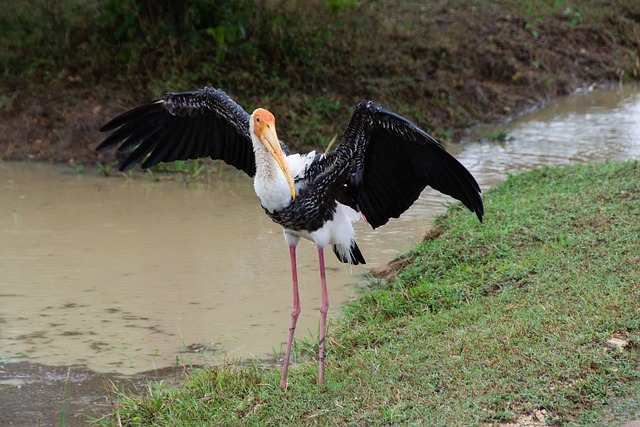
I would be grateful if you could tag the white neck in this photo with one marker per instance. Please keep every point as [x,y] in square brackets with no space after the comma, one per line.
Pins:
[269,182]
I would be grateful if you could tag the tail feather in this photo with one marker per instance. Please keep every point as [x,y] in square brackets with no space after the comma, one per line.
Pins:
[350,255]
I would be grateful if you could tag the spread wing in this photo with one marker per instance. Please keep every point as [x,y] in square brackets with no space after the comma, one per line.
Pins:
[186,125]
[393,161]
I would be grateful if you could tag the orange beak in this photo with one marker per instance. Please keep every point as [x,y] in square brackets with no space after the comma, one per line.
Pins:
[269,139]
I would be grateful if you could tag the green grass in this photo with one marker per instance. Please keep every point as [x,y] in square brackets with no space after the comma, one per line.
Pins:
[485,323]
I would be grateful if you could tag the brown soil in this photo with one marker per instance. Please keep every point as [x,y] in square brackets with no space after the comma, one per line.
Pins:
[38,395]
[50,127]
[458,69]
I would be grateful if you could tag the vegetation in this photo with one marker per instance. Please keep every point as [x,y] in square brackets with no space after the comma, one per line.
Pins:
[483,325]
[446,65]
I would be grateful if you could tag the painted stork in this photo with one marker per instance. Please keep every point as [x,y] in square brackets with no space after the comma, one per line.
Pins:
[378,170]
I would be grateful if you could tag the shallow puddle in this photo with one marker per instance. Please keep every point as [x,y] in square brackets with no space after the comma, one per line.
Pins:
[132,275]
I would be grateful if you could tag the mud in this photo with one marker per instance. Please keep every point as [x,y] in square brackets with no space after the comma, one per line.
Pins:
[38,395]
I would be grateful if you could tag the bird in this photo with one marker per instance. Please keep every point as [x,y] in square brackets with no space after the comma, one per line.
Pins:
[377,171]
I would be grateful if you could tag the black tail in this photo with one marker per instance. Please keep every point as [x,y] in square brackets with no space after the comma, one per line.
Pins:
[355,256]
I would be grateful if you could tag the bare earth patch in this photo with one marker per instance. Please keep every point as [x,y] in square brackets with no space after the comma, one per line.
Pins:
[536,419]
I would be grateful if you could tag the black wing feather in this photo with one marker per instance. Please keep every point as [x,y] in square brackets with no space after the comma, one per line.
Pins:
[162,142]
[394,160]
[124,134]
[185,125]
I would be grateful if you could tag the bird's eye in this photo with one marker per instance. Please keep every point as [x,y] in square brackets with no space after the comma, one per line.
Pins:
[258,119]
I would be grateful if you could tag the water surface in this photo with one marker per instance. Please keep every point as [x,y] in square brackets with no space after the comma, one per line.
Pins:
[130,275]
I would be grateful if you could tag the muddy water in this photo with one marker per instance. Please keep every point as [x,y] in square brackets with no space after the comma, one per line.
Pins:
[132,275]
[129,275]
[588,126]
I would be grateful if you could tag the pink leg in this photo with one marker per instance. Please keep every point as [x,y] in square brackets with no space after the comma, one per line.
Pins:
[324,309]
[295,311]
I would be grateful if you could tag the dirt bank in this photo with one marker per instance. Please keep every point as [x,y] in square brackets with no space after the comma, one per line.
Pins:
[447,66]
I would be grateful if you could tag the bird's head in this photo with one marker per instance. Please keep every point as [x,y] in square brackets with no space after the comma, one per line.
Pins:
[264,128]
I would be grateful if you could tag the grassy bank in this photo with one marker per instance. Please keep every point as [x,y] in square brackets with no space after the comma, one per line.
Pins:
[485,324]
